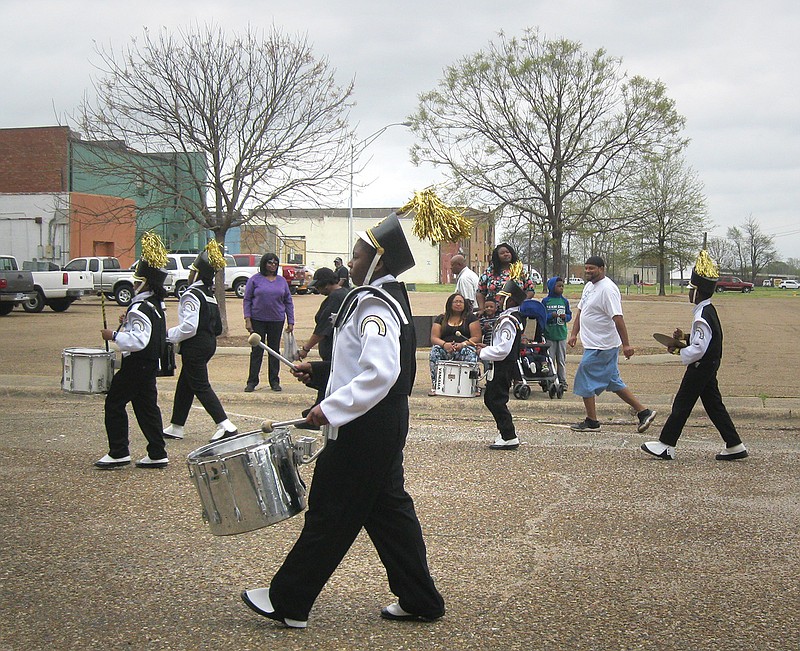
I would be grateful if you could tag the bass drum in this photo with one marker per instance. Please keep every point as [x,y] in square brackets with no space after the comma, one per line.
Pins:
[248,481]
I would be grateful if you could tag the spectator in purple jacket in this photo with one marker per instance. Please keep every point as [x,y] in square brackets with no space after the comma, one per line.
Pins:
[267,306]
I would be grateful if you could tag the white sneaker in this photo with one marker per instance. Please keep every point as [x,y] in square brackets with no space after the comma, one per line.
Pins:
[173,431]
[110,462]
[733,453]
[501,444]
[147,462]
[659,449]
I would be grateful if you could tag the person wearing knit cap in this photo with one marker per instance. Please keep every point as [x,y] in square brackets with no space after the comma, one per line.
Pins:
[141,337]
[599,321]
[199,325]
[702,356]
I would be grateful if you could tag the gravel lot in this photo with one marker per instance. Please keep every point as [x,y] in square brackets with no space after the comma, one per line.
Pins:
[575,541]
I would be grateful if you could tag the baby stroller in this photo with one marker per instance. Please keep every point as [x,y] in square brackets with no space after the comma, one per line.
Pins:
[535,363]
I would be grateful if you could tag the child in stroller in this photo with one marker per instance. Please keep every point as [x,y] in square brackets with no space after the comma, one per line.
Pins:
[535,363]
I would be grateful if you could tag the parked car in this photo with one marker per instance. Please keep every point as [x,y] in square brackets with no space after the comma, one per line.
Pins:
[574,280]
[16,285]
[55,288]
[110,278]
[790,284]
[733,284]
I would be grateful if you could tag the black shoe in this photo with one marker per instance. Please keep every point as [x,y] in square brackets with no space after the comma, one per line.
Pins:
[646,416]
[250,388]
[733,453]
[586,425]
[276,387]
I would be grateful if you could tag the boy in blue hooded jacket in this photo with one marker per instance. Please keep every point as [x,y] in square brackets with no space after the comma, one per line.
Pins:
[555,333]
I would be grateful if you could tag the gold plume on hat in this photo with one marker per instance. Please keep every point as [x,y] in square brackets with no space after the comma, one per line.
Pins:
[434,220]
[215,256]
[154,253]
[515,270]
[705,266]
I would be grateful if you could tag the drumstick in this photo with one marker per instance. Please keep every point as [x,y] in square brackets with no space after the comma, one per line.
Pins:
[268,426]
[255,340]
[103,309]
[466,341]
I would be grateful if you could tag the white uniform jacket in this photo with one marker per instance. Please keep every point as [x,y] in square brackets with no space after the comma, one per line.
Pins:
[503,337]
[134,334]
[366,358]
[700,337]
[188,315]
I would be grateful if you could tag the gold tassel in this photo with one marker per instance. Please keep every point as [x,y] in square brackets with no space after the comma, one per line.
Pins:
[153,251]
[215,256]
[435,221]
[705,266]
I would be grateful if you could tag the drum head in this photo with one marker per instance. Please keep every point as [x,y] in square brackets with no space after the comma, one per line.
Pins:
[85,351]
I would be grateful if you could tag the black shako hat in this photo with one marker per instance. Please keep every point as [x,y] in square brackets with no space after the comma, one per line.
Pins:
[209,261]
[324,276]
[705,273]
[513,290]
[388,239]
[153,275]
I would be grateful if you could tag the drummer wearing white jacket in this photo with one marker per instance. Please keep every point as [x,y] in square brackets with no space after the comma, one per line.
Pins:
[358,479]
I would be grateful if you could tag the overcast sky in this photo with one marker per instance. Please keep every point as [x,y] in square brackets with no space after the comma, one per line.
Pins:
[731,66]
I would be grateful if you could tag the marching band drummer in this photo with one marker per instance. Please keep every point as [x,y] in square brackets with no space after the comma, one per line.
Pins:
[197,331]
[358,479]
[141,337]
[504,353]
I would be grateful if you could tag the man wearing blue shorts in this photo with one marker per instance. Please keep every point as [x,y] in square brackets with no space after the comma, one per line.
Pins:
[598,320]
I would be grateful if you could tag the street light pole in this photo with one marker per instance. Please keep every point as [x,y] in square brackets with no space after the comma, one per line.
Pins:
[362,145]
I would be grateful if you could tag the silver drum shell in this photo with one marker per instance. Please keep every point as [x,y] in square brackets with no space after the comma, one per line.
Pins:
[248,481]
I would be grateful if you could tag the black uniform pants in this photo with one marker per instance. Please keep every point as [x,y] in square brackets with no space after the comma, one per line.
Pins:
[270,332]
[495,397]
[358,482]
[135,382]
[699,382]
[193,381]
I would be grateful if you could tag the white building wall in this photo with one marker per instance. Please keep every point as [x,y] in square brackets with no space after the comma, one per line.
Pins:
[327,237]
[35,227]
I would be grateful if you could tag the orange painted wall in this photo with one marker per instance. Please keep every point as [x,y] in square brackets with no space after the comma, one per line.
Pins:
[102,225]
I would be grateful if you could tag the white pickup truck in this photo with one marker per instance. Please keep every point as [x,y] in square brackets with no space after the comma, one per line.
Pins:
[56,288]
[107,277]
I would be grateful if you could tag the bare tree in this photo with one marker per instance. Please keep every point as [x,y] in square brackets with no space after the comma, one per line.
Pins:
[754,249]
[238,122]
[722,251]
[540,125]
[669,199]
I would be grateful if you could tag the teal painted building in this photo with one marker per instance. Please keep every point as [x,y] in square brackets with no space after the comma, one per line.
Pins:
[166,187]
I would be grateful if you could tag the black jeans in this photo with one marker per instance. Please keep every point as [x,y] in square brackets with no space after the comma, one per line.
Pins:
[135,382]
[270,332]
[699,382]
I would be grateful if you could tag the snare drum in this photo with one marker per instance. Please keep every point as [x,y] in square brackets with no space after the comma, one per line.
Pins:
[87,370]
[247,482]
[459,379]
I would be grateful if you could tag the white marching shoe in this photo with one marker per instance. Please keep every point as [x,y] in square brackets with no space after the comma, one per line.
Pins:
[222,433]
[173,431]
[110,462]
[259,602]
[147,462]
[659,449]
[733,453]
[502,444]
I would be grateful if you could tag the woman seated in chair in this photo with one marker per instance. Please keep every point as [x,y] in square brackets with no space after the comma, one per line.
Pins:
[454,335]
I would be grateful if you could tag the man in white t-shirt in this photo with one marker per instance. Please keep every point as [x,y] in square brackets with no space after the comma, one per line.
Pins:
[598,319]
[466,279]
